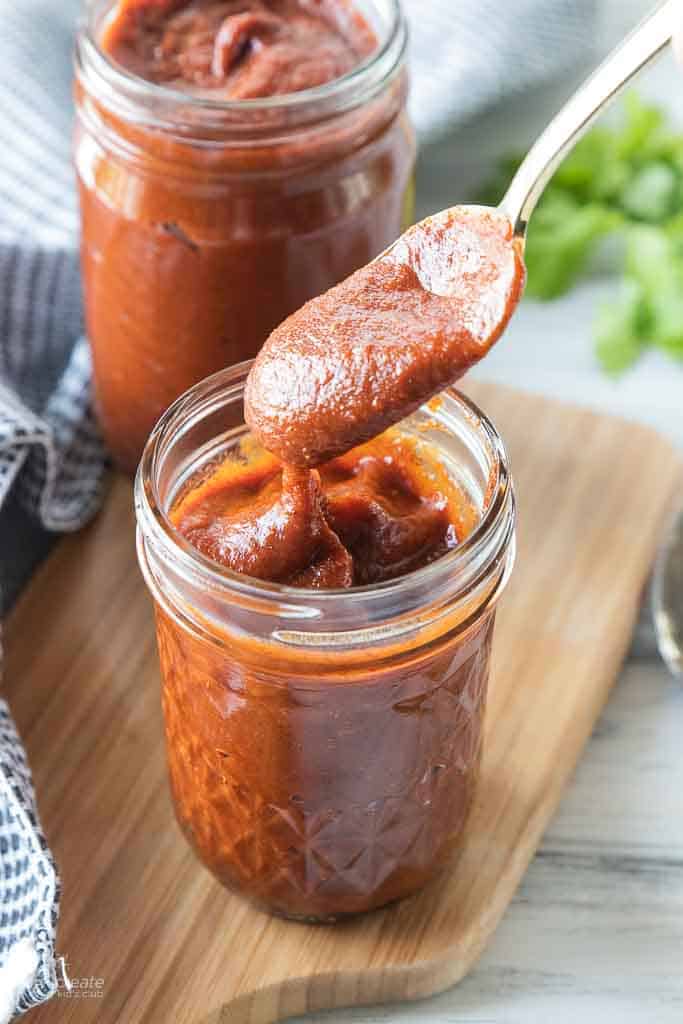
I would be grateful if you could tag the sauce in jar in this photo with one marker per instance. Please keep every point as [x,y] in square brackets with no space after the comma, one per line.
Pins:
[320,792]
[324,730]
[214,203]
[238,49]
[317,801]
[372,515]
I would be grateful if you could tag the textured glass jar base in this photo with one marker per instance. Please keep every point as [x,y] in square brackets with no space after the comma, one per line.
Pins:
[319,799]
[438,872]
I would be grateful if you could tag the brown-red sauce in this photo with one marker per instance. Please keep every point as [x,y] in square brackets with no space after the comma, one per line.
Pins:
[238,49]
[371,350]
[371,515]
[316,783]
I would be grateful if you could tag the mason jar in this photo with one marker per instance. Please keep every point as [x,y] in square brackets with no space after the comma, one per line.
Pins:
[205,223]
[323,745]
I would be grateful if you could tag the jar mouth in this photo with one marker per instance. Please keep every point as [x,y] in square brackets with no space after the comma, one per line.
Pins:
[131,94]
[486,543]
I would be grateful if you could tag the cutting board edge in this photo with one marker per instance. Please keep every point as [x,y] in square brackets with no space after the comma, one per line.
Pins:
[476,384]
[346,989]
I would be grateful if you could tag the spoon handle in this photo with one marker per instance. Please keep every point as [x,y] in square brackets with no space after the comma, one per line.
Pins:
[643,44]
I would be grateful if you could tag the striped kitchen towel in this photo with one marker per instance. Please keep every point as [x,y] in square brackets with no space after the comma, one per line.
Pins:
[50,451]
[465,55]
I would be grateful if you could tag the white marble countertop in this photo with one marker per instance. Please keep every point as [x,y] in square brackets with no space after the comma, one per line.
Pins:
[595,932]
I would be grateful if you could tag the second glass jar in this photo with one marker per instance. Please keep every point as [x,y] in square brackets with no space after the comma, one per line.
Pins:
[205,224]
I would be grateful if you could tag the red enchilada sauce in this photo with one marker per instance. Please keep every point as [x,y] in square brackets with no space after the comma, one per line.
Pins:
[323,785]
[371,515]
[370,351]
[319,783]
[212,204]
[238,49]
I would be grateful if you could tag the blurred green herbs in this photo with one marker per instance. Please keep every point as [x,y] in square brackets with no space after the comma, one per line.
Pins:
[625,182]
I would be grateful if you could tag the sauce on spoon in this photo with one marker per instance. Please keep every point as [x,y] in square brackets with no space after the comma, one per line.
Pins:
[370,351]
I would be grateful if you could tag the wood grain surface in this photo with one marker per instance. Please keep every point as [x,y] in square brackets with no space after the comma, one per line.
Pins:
[141,914]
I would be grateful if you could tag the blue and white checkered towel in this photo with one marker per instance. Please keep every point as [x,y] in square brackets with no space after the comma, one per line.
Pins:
[465,55]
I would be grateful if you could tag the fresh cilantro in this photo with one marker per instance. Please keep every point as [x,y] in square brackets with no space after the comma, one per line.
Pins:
[618,329]
[624,181]
[562,240]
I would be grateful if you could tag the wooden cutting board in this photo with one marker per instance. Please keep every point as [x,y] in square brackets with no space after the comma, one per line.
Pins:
[167,942]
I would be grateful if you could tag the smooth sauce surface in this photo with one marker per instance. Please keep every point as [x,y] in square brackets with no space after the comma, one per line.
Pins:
[377,513]
[373,349]
[238,49]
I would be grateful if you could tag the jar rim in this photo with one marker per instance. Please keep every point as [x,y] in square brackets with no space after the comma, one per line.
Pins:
[129,92]
[486,543]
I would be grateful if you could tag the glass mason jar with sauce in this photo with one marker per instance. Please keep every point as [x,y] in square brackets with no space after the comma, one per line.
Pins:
[205,223]
[323,746]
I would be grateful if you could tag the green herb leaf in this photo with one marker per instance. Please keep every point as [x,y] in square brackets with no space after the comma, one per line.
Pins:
[652,194]
[561,238]
[619,328]
[641,130]
[654,258]
[625,181]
